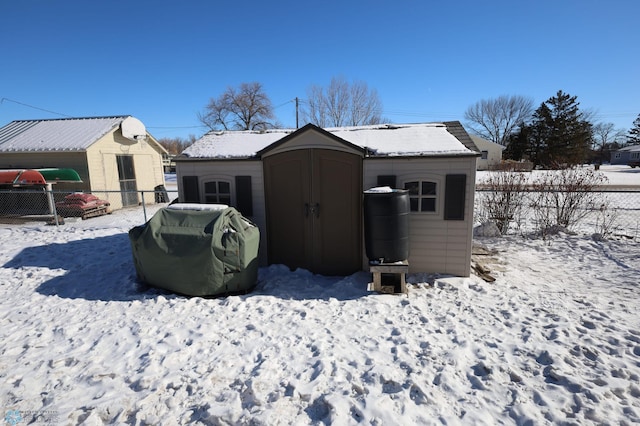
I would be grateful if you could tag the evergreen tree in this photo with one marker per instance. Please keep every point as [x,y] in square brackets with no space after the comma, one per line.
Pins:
[539,135]
[569,135]
[634,133]
[558,135]
[518,144]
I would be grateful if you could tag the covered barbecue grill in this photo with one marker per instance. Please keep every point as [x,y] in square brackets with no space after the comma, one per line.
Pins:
[197,250]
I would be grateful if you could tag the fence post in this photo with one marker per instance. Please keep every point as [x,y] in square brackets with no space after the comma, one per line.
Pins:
[144,207]
[52,204]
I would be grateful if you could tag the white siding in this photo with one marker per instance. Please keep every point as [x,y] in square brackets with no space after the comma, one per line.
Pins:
[103,167]
[435,245]
[494,153]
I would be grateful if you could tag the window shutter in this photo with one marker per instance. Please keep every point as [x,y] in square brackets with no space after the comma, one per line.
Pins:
[190,189]
[387,180]
[244,199]
[454,198]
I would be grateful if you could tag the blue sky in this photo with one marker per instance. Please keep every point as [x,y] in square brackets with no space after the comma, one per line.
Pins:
[161,61]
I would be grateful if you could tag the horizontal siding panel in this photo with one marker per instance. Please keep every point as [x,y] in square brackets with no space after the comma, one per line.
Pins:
[419,233]
[457,225]
[458,270]
[426,233]
[427,255]
[433,245]
[428,265]
[425,223]
[457,240]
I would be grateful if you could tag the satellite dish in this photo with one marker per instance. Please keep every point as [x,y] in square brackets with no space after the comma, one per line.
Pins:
[133,129]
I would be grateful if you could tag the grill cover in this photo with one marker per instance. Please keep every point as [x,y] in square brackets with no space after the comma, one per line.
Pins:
[197,250]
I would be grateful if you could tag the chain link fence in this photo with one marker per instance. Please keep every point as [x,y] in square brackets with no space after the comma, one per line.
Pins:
[119,208]
[609,212]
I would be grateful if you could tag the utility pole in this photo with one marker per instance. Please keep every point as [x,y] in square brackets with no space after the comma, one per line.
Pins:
[297,113]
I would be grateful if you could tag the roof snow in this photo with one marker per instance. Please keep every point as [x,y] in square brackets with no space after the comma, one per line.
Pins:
[379,140]
[234,144]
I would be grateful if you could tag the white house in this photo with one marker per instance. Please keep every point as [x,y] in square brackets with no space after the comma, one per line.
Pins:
[490,153]
[304,190]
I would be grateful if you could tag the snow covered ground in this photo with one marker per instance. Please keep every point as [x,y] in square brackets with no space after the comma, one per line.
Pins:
[617,176]
[555,339]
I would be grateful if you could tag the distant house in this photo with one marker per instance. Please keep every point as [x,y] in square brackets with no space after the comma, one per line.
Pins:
[304,190]
[490,153]
[629,156]
[109,153]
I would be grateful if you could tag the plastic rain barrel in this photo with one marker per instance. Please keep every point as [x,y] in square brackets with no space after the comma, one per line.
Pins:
[386,224]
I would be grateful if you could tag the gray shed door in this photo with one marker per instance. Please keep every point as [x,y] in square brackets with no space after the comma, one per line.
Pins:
[314,210]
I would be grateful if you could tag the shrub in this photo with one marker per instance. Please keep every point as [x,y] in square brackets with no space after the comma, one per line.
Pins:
[564,197]
[504,201]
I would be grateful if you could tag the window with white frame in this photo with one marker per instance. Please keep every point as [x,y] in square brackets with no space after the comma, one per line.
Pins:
[217,192]
[423,195]
[485,155]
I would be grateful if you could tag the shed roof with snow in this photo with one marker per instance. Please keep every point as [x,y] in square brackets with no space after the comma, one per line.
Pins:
[427,139]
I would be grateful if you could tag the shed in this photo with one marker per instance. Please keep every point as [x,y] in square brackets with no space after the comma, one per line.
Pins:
[114,154]
[304,190]
[490,153]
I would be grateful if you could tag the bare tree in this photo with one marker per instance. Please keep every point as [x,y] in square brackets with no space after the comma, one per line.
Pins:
[176,145]
[342,104]
[315,111]
[496,119]
[604,136]
[245,108]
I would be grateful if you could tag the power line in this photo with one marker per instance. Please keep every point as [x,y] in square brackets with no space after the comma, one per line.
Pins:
[176,127]
[285,103]
[34,107]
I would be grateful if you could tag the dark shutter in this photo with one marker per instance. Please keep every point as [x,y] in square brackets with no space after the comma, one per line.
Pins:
[190,189]
[387,180]
[454,197]
[244,200]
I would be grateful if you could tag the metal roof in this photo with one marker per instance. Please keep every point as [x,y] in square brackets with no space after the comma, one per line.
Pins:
[67,134]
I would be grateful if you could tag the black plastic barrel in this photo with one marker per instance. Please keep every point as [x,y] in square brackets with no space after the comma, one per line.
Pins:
[386,225]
